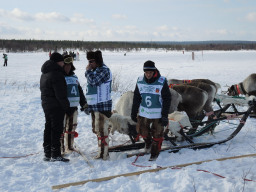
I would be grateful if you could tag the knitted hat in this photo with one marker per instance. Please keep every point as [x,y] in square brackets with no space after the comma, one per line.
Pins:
[56,57]
[69,60]
[149,66]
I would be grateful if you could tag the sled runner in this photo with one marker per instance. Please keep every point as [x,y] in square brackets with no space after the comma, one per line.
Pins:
[227,112]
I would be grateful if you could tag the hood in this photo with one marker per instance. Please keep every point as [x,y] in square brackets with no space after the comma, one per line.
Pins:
[49,66]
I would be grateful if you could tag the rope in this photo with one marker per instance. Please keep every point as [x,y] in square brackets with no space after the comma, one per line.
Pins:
[218,175]
[21,156]
[202,170]
[146,171]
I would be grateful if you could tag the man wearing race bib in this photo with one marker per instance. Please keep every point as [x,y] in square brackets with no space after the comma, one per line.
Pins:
[151,102]
[76,97]
[98,95]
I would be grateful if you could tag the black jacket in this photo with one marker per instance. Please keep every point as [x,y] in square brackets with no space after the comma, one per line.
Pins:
[53,87]
[165,94]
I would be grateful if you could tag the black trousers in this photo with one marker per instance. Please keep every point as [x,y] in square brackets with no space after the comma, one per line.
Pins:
[53,129]
[5,63]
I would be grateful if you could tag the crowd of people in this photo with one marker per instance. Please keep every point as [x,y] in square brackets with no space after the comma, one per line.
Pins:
[61,95]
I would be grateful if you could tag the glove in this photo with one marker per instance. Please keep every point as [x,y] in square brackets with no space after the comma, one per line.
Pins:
[134,118]
[85,109]
[164,121]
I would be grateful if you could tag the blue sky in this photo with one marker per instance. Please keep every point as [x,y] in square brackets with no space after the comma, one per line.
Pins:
[128,20]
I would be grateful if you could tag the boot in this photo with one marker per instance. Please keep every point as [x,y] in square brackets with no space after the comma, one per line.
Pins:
[47,153]
[102,148]
[59,158]
[56,155]
[68,141]
[155,148]
[47,157]
[148,142]
[62,146]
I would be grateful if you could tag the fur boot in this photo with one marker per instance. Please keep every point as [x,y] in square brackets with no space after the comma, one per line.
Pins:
[100,124]
[70,124]
[103,143]
[156,148]
[148,143]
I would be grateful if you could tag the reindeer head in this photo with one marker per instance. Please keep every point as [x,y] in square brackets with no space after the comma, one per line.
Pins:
[232,91]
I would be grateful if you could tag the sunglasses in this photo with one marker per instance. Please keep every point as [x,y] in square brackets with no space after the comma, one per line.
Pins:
[91,61]
[68,60]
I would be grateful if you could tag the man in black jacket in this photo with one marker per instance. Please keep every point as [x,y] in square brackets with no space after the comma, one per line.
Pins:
[55,104]
[151,101]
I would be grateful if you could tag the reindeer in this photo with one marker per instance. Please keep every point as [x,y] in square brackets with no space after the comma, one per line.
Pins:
[177,81]
[193,99]
[183,98]
[246,87]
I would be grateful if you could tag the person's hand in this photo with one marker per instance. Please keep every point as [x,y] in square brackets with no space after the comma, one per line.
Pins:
[164,121]
[88,67]
[85,109]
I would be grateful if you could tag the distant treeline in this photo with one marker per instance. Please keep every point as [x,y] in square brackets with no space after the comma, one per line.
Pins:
[50,45]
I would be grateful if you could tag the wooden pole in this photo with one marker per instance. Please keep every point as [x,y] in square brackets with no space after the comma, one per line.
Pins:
[146,171]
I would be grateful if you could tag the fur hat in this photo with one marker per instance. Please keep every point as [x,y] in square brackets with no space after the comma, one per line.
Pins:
[149,66]
[69,60]
[90,55]
[56,57]
[97,56]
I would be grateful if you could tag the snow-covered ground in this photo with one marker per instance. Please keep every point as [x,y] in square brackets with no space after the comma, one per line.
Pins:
[22,124]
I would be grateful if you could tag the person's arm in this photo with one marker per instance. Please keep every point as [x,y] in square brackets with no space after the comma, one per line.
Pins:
[166,97]
[82,97]
[60,89]
[97,77]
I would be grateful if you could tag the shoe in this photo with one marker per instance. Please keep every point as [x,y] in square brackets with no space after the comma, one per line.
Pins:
[68,151]
[153,157]
[59,158]
[103,158]
[46,158]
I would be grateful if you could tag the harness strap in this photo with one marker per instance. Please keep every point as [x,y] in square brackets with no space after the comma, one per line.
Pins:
[160,141]
[72,133]
[171,85]
[138,137]
[242,88]
[102,139]
[237,89]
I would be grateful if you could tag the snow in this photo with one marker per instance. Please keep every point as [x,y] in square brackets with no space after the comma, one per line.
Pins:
[22,124]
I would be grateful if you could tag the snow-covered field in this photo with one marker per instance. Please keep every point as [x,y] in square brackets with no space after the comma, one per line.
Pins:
[22,124]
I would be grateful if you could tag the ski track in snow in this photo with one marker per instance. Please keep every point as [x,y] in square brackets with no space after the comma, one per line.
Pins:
[22,122]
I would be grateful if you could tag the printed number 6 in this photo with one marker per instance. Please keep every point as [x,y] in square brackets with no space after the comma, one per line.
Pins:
[148,102]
